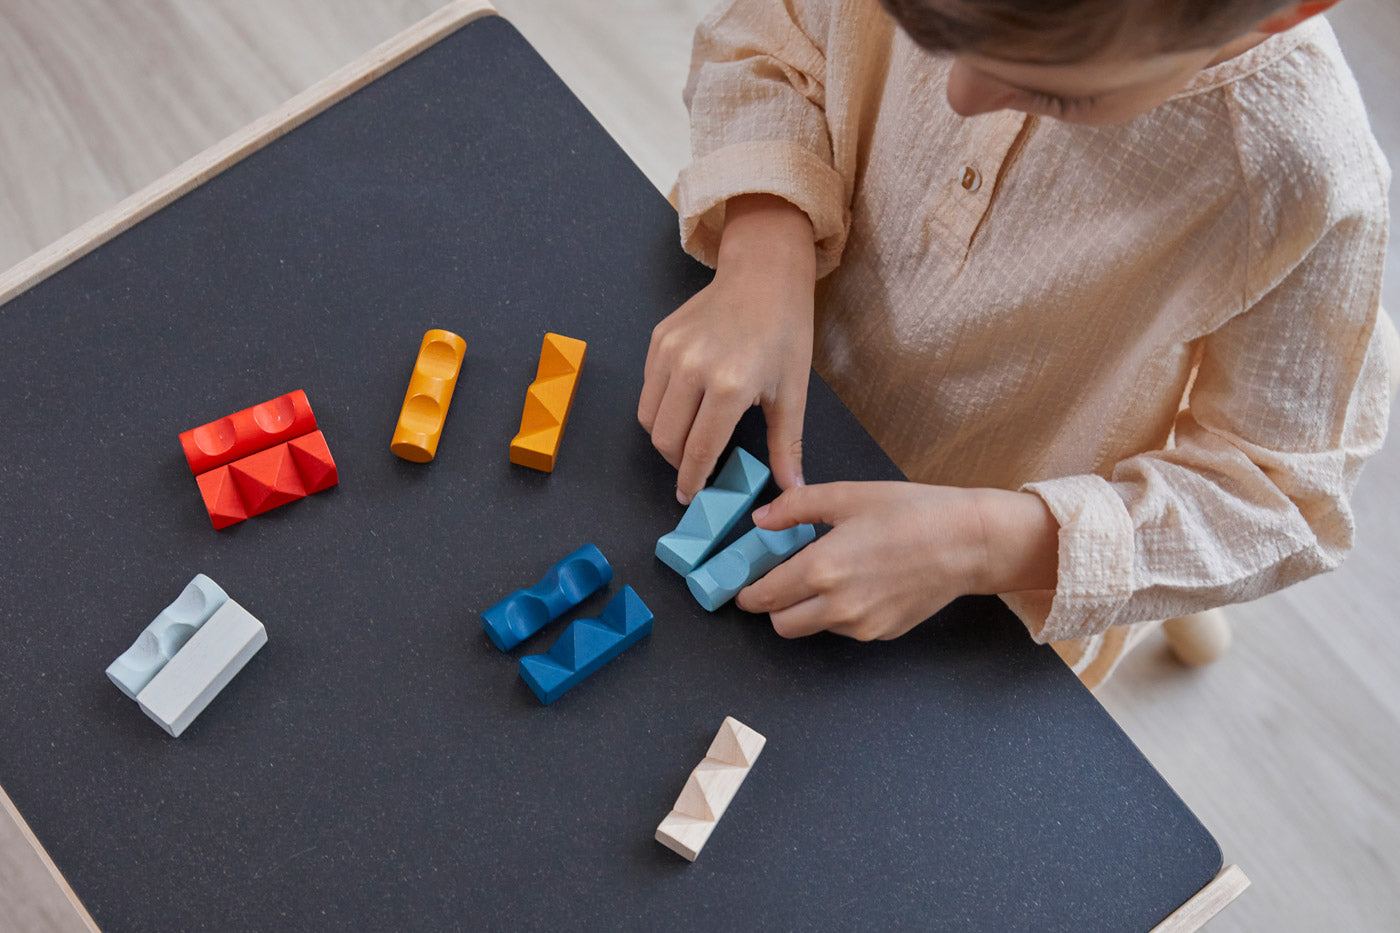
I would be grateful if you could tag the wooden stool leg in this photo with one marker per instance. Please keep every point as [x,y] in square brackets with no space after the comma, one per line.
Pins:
[1199,638]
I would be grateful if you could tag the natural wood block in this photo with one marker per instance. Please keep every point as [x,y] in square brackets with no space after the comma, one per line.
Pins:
[710,788]
[203,667]
[429,394]
[547,403]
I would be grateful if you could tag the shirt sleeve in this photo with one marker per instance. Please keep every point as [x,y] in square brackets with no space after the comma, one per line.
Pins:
[758,95]
[1290,397]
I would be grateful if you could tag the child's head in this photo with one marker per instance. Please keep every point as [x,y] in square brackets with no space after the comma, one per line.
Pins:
[1086,61]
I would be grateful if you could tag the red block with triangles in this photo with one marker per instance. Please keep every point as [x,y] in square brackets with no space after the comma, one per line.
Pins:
[263,479]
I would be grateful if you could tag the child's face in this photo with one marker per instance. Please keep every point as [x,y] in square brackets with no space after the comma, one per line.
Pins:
[1108,89]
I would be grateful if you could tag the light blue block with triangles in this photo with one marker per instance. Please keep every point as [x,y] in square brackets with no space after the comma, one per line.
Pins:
[586,645]
[713,512]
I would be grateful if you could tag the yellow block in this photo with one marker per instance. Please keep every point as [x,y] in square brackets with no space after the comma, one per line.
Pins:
[547,403]
[429,393]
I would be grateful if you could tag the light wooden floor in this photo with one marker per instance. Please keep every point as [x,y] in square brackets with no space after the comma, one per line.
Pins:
[1289,749]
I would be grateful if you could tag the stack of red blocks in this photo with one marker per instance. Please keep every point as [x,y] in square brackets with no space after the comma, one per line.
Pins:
[259,458]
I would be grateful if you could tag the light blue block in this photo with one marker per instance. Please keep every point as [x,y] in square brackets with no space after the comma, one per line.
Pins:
[586,645]
[565,585]
[720,578]
[713,512]
[166,635]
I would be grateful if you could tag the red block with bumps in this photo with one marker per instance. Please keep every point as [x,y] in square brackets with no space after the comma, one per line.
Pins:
[248,431]
[274,465]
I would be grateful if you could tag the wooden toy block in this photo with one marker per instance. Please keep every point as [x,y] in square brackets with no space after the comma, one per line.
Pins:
[566,584]
[248,431]
[586,645]
[710,788]
[204,666]
[547,403]
[165,636]
[713,512]
[429,393]
[720,578]
[262,481]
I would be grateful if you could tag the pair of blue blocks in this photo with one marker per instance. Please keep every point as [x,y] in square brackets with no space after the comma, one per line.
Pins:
[713,514]
[587,644]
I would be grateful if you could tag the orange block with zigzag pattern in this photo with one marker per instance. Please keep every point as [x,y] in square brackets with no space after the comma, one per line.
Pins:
[547,403]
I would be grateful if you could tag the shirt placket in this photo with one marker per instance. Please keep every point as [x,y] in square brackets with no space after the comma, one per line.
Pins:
[960,196]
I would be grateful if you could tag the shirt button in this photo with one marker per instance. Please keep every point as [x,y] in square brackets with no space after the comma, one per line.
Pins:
[971,178]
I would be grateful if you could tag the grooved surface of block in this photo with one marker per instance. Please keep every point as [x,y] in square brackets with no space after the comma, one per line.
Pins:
[720,578]
[710,788]
[166,635]
[202,668]
[547,403]
[713,512]
[586,645]
[429,394]
[244,432]
[564,585]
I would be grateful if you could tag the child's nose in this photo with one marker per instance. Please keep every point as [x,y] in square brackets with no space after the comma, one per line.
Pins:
[971,93]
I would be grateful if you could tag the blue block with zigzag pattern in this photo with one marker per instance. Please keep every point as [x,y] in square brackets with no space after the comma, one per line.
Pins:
[586,645]
[713,512]
[565,585]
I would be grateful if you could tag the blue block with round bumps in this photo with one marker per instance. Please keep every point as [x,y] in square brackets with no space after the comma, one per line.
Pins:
[713,512]
[565,585]
[720,578]
[586,645]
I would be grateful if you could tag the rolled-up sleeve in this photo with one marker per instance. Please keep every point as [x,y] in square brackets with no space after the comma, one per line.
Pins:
[1290,398]
[757,95]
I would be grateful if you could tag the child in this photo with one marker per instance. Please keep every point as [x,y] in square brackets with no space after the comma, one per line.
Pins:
[1101,276]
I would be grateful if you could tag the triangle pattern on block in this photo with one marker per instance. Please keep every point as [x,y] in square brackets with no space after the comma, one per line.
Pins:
[268,479]
[583,641]
[743,473]
[221,497]
[711,511]
[693,801]
[560,356]
[314,462]
[736,744]
[546,405]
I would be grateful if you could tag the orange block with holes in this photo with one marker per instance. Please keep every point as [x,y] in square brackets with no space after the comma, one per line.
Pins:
[259,460]
[248,431]
[547,403]
[429,393]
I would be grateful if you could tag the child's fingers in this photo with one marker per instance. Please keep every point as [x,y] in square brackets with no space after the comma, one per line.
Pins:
[784,415]
[674,417]
[806,618]
[714,423]
[823,503]
[653,391]
[782,587]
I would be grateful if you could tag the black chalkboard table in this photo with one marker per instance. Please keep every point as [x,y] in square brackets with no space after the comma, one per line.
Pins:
[380,765]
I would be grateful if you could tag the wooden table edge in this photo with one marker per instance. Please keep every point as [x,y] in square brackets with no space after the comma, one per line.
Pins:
[343,82]
[1206,903]
[59,891]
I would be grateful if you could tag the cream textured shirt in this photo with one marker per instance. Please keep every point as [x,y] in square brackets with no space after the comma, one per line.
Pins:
[1166,329]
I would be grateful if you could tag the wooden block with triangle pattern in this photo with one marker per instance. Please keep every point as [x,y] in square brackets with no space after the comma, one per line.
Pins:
[547,403]
[259,480]
[710,788]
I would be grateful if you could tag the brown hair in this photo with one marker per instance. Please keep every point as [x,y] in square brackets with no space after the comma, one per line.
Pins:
[1057,32]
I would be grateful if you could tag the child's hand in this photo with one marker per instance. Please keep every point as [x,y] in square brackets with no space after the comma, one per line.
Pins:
[899,552]
[743,340]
